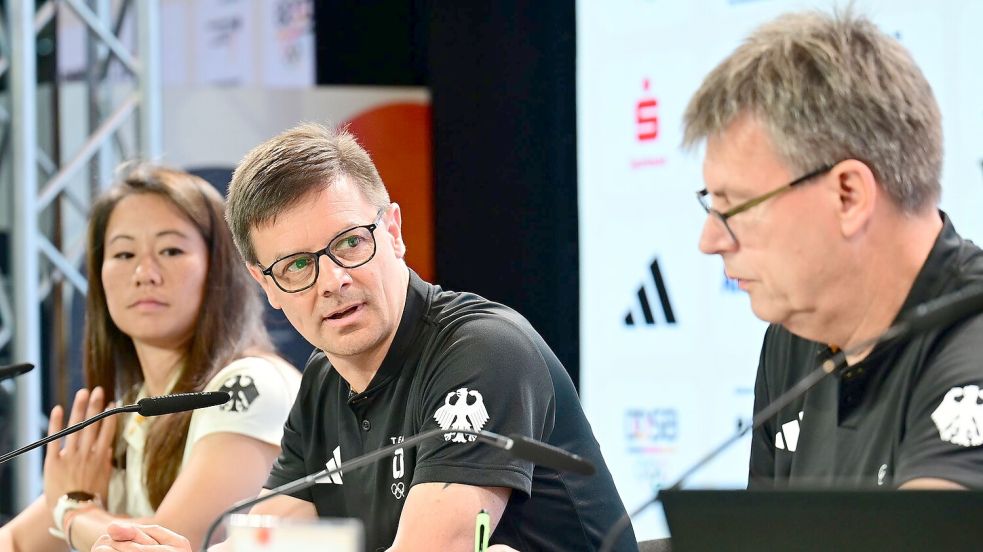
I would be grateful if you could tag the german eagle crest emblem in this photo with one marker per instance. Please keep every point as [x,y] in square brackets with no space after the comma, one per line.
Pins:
[463,409]
[243,391]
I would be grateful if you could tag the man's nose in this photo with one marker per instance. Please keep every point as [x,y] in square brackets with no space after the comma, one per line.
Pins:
[715,238]
[331,278]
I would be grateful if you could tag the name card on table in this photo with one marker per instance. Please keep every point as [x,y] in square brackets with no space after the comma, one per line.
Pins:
[251,533]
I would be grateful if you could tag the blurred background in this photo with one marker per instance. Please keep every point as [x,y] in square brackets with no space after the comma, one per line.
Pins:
[533,147]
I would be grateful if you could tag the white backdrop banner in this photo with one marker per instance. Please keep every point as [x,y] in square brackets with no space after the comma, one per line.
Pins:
[669,346]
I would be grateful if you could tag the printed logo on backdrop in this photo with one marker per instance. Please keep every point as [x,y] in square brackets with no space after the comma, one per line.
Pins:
[647,130]
[647,116]
[742,421]
[729,285]
[294,21]
[651,295]
[651,435]
[651,430]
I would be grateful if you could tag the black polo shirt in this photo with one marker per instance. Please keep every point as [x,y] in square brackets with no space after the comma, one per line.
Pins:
[908,410]
[457,360]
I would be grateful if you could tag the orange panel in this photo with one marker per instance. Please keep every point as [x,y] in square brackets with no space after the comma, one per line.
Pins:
[398,137]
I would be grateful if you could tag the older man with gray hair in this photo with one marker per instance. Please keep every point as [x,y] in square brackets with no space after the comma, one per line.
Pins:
[822,166]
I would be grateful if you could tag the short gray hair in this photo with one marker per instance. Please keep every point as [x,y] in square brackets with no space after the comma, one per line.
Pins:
[829,88]
[279,173]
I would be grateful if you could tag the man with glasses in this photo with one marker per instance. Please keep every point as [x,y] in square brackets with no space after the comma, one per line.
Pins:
[822,168]
[395,357]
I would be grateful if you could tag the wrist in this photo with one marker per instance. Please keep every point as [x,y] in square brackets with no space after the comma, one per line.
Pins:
[67,507]
[70,518]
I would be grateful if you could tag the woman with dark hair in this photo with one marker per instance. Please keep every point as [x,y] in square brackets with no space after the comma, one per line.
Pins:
[170,309]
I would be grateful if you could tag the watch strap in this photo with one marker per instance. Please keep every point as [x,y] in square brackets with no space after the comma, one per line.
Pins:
[74,500]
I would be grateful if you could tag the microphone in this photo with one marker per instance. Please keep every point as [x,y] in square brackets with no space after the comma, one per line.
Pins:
[179,402]
[147,407]
[527,448]
[941,311]
[520,446]
[14,370]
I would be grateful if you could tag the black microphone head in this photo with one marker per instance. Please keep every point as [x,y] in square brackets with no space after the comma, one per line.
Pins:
[169,404]
[549,456]
[14,370]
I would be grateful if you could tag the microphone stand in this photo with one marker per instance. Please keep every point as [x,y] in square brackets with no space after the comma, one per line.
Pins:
[70,429]
[832,365]
[148,406]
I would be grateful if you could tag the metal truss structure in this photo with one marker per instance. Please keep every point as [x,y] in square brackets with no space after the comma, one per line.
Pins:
[44,183]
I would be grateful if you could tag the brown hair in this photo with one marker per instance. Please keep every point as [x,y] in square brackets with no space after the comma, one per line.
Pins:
[229,321]
[277,174]
[829,88]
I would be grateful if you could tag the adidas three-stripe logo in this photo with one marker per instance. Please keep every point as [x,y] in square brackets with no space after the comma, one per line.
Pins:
[333,463]
[788,437]
[643,300]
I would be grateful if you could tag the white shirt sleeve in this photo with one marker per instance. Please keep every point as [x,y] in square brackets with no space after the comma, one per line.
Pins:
[263,391]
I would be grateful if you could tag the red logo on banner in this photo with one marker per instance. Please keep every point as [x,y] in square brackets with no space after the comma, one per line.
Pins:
[647,130]
[647,116]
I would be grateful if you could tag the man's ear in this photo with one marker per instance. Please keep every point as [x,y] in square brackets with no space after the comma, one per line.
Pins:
[267,283]
[858,193]
[394,229]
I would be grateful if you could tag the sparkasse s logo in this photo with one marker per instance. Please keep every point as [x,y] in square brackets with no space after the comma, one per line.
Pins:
[647,152]
[647,116]
[645,304]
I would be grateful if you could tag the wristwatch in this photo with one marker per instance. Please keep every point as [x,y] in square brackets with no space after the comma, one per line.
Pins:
[75,500]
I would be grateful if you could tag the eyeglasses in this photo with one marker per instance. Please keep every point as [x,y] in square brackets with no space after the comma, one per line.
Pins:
[349,249]
[706,200]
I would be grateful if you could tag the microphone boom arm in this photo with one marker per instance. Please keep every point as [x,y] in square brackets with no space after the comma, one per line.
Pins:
[488,437]
[149,406]
[70,429]
[829,366]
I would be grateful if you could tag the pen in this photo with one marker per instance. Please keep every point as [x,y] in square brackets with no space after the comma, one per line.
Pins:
[482,524]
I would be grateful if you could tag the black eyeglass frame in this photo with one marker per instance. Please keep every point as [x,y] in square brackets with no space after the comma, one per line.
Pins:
[268,271]
[755,201]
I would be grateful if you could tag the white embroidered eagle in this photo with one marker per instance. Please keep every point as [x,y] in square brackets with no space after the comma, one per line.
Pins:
[461,415]
[959,417]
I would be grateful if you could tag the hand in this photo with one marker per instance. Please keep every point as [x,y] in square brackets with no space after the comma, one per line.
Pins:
[84,461]
[128,537]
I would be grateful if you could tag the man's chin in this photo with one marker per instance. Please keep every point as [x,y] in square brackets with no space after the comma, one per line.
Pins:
[768,311]
[347,346]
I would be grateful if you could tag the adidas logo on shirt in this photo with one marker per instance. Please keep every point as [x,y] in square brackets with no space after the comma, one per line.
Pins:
[788,437]
[333,463]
